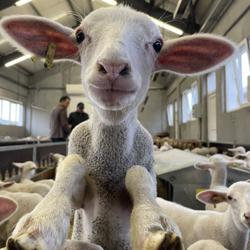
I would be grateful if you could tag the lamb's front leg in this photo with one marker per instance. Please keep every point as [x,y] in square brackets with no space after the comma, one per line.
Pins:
[150,228]
[47,226]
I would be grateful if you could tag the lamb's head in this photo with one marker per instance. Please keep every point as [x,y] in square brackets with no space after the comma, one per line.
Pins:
[238,198]
[28,168]
[118,49]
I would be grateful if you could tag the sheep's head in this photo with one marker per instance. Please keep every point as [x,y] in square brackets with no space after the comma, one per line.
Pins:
[27,168]
[118,49]
[237,196]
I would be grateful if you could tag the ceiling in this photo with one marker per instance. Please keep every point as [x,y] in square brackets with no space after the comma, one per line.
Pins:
[179,13]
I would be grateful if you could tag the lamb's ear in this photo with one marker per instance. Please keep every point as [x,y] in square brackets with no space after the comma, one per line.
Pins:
[7,208]
[212,196]
[18,164]
[204,165]
[194,54]
[33,35]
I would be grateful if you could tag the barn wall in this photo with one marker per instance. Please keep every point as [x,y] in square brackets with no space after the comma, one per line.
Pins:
[231,126]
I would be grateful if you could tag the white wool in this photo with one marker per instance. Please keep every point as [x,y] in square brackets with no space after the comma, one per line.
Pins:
[229,227]
[207,245]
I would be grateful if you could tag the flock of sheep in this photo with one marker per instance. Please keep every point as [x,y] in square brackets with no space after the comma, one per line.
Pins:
[224,222]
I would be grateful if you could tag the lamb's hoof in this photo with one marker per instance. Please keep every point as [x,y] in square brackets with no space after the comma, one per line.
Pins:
[161,240]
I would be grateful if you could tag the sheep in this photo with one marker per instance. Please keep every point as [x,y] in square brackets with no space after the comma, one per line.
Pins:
[26,202]
[230,228]
[116,71]
[207,245]
[166,147]
[27,186]
[200,151]
[238,150]
[217,166]
[28,170]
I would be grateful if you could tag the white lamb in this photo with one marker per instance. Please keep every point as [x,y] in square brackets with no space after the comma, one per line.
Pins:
[28,171]
[238,150]
[26,203]
[230,228]
[27,186]
[207,245]
[118,49]
[217,166]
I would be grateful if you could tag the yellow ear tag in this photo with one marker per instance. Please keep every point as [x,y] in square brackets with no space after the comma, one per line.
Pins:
[50,55]
[34,59]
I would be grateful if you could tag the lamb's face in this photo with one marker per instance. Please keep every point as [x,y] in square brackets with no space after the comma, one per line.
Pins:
[238,196]
[118,49]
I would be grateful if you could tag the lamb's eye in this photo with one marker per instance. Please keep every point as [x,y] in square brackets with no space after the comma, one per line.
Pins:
[80,36]
[229,197]
[157,46]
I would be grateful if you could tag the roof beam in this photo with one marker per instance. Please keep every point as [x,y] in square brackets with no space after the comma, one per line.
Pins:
[180,7]
[35,9]
[157,12]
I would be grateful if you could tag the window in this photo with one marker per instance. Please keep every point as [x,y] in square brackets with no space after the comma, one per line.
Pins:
[190,98]
[211,83]
[236,80]
[170,114]
[11,112]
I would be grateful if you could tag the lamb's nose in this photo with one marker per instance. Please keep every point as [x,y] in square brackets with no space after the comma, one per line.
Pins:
[113,70]
[247,216]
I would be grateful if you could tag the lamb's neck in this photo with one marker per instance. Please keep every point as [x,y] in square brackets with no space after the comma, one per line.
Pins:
[218,177]
[236,233]
[117,134]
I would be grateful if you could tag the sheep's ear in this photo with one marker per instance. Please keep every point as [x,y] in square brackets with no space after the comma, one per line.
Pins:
[18,164]
[204,165]
[7,208]
[6,184]
[33,35]
[195,54]
[212,196]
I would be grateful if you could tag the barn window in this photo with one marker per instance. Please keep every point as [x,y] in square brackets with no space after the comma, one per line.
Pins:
[237,73]
[11,112]
[170,114]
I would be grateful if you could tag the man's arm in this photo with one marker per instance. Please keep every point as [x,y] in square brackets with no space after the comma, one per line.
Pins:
[64,121]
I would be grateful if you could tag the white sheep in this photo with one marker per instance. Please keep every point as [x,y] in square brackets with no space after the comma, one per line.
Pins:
[237,150]
[207,245]
[26,203]
[28,171]
[118,49]
[26,186]
[165,147]
[230,228]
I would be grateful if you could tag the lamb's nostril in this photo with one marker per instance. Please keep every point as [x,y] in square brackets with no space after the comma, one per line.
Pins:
[125,71]
[13,245]
[247,216]
[102,69]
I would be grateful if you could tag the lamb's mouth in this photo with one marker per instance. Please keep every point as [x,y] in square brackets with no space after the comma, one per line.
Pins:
[112,89]
[112,96]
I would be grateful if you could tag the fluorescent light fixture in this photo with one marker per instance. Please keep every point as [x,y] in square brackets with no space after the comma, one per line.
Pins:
[22,2]
[17,60]
[167,26]
[110,2]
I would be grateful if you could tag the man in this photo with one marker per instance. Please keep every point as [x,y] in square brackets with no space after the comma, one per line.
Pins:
[78,116]
[59,127]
